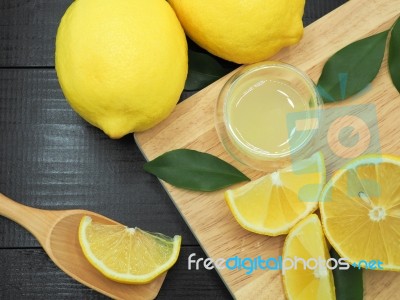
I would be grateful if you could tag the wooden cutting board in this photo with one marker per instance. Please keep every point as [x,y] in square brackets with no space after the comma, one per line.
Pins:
[191,125]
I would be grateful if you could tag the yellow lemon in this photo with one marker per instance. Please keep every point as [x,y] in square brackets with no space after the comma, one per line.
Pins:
[121,64]
[242,31]
[127,255]
[274,203]
[306,247]
[360,211]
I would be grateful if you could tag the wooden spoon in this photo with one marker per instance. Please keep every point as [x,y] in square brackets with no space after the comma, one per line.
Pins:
[57,232]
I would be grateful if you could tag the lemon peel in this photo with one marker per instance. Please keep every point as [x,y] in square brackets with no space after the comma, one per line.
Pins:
[121,64]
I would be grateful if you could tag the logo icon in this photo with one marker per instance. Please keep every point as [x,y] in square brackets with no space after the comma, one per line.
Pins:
[342,132]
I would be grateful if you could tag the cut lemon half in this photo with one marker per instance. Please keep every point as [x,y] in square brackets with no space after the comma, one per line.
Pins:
[127,255]
[274,203]
[305,250]
[360,211]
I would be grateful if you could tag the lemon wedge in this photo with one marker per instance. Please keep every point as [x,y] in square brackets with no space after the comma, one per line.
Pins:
[127,255]
[274,203]
[306,242]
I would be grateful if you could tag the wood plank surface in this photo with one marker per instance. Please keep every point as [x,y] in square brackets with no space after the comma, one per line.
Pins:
[28,29]
[52,159]
[29,274]
[192,126]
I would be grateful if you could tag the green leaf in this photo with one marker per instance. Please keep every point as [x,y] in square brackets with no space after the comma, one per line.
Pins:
[394,55]
[348,283]
[203,70]
[352,68]
[193,170]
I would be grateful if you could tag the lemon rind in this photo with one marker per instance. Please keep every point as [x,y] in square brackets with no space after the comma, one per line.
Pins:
[120,277]
[320,162]
[362,160]
[310,218]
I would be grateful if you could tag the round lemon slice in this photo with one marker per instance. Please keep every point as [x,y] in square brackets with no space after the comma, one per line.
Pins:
[360,211]
[274,203]
[127,255]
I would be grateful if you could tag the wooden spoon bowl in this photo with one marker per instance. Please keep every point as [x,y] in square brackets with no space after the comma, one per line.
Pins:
[57,232]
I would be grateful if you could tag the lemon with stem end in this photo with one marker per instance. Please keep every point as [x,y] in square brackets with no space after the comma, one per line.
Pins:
[121,64]
[242,31]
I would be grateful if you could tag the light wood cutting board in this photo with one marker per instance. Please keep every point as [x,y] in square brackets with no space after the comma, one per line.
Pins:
[191,126]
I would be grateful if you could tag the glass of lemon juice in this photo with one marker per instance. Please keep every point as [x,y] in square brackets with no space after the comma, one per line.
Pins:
[268,114]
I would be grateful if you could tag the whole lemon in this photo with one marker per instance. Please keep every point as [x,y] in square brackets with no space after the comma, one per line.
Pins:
[121,64]
[241,31]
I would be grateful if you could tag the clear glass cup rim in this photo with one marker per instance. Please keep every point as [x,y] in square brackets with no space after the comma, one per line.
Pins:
[249,70]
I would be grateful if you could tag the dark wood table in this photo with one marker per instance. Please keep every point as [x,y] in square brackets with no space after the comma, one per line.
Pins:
[50,158]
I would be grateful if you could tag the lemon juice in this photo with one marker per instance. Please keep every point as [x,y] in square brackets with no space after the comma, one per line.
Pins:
[259,117]
[268,114]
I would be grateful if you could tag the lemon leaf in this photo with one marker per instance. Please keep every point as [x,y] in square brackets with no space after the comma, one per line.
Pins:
[394,55]
[204,69]
[348,283]
[352,68]
[194,170]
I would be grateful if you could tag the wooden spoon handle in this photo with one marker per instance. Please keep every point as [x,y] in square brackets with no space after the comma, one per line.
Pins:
[37,221]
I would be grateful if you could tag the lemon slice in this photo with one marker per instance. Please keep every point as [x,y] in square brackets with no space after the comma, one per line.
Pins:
[127,255]
[274,203]
[307,279]
[360,210]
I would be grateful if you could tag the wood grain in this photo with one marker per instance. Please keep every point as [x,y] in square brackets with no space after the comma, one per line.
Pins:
[191,126]
[51,158]
[57,233]
[47,154]
[28,29]
[30,274]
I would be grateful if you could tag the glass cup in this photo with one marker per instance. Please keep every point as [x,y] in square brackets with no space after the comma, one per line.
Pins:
[268,115]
